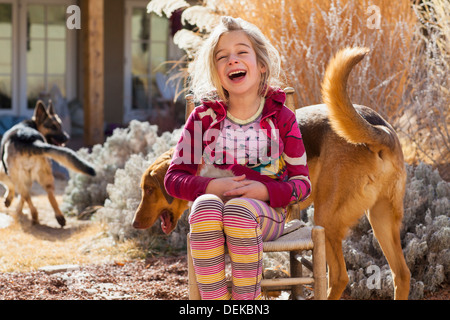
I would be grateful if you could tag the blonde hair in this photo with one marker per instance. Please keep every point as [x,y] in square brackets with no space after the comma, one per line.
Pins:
[205,81]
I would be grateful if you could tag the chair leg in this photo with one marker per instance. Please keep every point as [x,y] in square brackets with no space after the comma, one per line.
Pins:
[194,293]
[296,272]
[319,263]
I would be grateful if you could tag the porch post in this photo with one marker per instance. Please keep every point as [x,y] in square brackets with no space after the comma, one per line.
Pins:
[93,70]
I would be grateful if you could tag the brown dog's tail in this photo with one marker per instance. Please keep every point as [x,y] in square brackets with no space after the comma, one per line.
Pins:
[344,119]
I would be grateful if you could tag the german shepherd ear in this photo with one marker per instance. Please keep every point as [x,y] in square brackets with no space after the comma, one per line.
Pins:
[158,177]
[50,109]
[40,114]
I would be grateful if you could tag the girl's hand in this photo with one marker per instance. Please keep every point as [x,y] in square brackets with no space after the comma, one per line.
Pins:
[220,186]
[249,189]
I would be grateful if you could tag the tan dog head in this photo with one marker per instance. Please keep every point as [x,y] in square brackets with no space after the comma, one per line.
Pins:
[155,201]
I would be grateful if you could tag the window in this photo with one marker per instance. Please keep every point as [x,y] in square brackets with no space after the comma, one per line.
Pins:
[46,50]
[38,53]
[146,41]
[6,45]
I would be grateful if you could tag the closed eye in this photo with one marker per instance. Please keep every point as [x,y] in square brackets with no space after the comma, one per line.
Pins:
[148,191]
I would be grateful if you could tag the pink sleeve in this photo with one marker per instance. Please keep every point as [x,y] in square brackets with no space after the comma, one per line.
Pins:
[181,180]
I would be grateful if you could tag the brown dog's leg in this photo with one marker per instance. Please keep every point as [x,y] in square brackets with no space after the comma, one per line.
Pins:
[337,270]
[385,221]
[326,215]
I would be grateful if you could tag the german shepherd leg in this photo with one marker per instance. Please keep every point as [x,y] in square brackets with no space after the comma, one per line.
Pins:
[9,185]
[46,180]
[19,207]
[23,190]
[385,219]
[51,197]
[33,210]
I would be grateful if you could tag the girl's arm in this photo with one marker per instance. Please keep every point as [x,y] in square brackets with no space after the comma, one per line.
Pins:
[180,180]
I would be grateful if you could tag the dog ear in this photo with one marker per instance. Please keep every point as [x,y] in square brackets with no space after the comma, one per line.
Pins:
[158,177]
[40,114]
[50,108]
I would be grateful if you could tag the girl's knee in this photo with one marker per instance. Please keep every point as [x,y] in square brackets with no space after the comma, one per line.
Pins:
[240,209]
[206,207]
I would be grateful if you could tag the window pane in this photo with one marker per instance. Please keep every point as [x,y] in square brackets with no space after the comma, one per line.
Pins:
[36,56]
[159,28]
[5,92]
[58,81]
[36,17]
[5,20]
[140,24]
[56,16]
[35,85]
[56,53]
[154,87]
[140,92]
[159,55]
[5,56]
[140,60]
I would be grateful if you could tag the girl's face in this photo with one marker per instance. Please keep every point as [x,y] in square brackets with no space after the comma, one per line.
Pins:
[236,64]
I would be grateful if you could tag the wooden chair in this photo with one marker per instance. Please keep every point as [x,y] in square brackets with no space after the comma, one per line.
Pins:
[294,241]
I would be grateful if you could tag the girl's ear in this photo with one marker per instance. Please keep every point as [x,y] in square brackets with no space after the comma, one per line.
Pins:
[263,69]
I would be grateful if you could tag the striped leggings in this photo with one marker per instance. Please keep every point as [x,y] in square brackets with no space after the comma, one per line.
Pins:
[244,224]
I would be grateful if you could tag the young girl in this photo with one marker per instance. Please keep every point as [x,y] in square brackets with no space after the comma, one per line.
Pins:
[243,129]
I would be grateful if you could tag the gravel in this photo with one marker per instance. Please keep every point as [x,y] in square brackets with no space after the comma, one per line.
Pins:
[163,278]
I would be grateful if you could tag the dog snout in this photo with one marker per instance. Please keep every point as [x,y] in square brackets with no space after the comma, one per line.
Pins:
[136,223]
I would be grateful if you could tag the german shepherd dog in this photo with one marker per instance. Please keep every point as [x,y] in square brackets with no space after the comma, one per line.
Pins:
[356,165]
[25,152]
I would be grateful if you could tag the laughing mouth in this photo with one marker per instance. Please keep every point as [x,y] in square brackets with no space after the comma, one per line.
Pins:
[237,75]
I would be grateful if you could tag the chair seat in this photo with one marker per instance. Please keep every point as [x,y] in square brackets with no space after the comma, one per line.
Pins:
[297,240]
[297,236]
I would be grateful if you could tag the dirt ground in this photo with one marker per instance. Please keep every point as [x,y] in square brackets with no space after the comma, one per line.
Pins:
[100,268]
[158,278]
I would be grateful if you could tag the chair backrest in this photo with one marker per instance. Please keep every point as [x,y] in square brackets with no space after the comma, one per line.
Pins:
[190,104]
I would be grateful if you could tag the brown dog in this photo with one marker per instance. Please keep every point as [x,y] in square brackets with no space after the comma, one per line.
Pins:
[25,149]
[155,202]
[356,165]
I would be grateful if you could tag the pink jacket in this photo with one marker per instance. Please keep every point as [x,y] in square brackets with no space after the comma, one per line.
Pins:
[289,184]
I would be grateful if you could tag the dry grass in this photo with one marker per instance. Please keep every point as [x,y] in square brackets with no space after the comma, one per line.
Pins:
[24,247]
